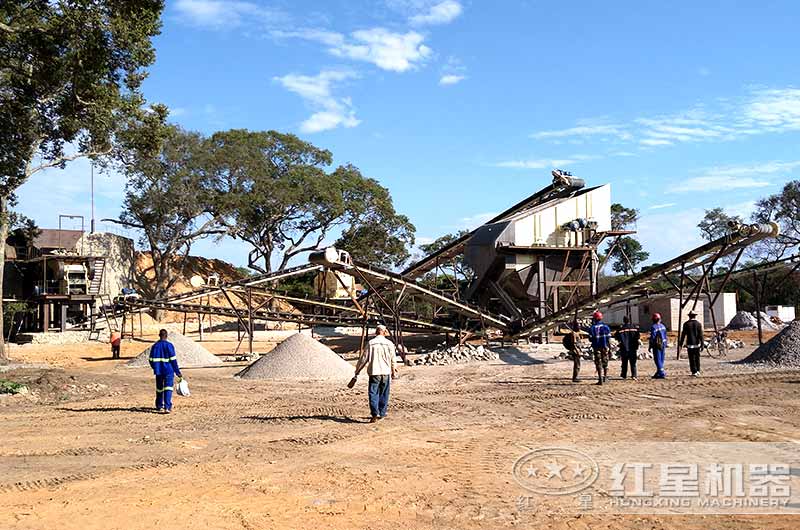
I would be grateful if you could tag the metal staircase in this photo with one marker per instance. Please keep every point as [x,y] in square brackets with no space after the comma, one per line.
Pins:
[96,283]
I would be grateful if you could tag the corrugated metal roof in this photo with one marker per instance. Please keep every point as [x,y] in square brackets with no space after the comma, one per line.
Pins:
[54,238]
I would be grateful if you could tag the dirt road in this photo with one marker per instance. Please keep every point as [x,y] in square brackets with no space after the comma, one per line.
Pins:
[244,454]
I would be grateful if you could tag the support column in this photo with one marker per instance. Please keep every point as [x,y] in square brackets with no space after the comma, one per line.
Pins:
[64,308]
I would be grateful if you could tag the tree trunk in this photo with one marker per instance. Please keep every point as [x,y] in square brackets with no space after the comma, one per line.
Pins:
[4,219]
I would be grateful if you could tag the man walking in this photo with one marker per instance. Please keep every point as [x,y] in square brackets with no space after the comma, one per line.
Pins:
[379,359]
[658,345]
[600,337]
[692,337]
[164,363]
[629,339]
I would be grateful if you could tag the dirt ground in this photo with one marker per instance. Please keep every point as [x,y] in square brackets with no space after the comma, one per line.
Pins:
[84,450]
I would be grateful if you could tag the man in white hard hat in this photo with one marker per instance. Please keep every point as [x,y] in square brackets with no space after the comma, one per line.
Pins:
[379,359]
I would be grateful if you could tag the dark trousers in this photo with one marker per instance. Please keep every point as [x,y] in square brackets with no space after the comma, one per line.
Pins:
[115,351]
[576,364]
[379,395]
[601,361]
[628,357]
[164,391]
[694,359]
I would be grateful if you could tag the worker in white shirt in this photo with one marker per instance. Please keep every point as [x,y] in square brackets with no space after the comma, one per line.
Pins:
[379,359]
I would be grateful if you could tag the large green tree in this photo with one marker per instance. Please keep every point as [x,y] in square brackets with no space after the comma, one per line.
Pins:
[628,255]
[715,223]
[274,192]
[167,199]
[623,218]
[626,252]
[68,70]
[782,208]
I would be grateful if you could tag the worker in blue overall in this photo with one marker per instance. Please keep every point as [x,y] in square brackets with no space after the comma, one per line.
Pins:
[164,363]
[600,337]
[658,345]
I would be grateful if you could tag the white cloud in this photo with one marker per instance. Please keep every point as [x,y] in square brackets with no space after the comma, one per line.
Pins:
[440,13]
[703,71]
[584,130]
[474,221]
[221,14]
[388,50]
[662,206]
[760,111]
[776,110]
[735,177]
[543,163]
[451,79]
[317,91]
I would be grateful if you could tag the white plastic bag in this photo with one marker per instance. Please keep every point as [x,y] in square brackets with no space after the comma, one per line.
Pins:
[183,388]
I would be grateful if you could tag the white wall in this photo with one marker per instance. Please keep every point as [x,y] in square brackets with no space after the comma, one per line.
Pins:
[543,227]
[724,310]
[785,313]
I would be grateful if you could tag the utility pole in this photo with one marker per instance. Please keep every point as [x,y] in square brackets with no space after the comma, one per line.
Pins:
[91,226]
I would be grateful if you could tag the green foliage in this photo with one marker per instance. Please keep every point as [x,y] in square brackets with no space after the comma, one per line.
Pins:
[272,190]
[301,286]
[166,197]
[68,70]
[244,272]
[463,272]
[630,247]
[784,209]
[10,387]
[384,243]
[623,218]
[715,223]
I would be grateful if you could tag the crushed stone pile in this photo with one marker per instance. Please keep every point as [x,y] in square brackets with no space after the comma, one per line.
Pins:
[782,350]
[188,352]
[749,321]
[300,357]
[457,355]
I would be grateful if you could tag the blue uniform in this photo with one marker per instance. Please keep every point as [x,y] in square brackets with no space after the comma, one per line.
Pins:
[600,335]
[656,330]
[165,367]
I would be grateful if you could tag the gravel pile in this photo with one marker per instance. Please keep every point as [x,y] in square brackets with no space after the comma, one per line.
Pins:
[300,357]
[745,320]
[457,355]
[188,352]
[782,350]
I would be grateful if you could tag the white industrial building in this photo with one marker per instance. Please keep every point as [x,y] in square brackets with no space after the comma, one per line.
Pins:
[783,312]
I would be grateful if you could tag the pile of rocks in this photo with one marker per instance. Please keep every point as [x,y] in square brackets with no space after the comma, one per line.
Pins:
[300,357]
[457,355]
[188,352]
[749,321]
[782,350]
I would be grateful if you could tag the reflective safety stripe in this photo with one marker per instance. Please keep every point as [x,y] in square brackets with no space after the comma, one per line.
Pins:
[159,390]
[168,388]
[161,360]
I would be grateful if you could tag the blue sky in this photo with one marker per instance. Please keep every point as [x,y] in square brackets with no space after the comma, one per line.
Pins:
[461,108]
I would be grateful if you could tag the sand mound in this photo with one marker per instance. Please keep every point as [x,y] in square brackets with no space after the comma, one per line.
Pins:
[782,350]
[299,357]
[745,320]
[189,353]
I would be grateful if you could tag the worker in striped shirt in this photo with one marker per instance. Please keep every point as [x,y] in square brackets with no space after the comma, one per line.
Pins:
[164,363]
[600,337]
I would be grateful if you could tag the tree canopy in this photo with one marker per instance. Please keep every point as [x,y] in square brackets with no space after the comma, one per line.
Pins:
[69,70]
[784,209]
[272,190]
[715,223]
[623,218]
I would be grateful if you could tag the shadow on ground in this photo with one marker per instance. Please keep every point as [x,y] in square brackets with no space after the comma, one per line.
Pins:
[320,417]
[517,357]
[143,410]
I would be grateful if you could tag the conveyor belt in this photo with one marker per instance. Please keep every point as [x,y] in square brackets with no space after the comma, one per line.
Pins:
[637,285]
